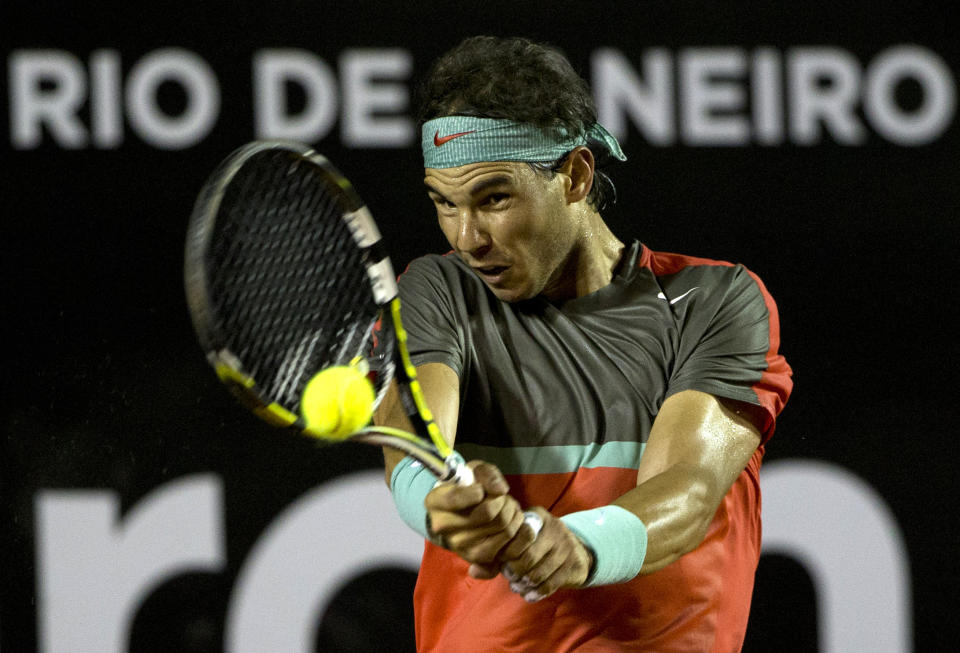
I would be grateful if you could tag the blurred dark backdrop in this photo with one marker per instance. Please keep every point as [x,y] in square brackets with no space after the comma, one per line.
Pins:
[847,211]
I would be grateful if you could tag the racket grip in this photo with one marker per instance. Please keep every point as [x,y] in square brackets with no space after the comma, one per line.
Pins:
[457,470]
[520,585]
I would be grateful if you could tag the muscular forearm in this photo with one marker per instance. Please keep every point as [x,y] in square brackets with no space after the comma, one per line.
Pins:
[697,448]
[441,390]
[676,506]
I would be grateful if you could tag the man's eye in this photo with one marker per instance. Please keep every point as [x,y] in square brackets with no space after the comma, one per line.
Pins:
[497,198]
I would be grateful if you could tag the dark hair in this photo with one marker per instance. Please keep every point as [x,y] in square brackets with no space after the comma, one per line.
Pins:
[520,80]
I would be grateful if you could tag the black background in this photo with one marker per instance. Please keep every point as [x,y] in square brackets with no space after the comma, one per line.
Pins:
[105,387]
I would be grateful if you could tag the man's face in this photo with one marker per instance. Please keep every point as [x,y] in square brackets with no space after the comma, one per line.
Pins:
[510,224]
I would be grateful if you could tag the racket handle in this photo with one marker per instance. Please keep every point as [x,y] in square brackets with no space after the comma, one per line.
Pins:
[457,470]
[519,585]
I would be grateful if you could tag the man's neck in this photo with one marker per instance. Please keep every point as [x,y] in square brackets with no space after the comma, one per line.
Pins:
[591,262]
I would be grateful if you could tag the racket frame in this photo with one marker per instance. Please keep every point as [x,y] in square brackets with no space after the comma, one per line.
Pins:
[431,448]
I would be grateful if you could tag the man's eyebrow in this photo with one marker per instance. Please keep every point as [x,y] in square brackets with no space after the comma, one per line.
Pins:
[477,189]
[489,183]
[433,190]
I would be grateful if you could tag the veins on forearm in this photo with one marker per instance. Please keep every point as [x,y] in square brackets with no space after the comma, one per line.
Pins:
[676,506]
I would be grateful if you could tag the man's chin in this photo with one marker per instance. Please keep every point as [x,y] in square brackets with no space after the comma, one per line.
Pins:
[511,294]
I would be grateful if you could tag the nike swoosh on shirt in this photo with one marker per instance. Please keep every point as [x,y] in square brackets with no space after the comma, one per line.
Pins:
[439,140]
[660,295]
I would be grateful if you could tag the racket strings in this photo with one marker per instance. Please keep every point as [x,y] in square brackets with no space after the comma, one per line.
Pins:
[294,292]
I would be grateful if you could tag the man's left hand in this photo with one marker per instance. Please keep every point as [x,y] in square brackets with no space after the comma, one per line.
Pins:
[556,559]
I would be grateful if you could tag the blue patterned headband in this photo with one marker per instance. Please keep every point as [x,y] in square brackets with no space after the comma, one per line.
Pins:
[458,140]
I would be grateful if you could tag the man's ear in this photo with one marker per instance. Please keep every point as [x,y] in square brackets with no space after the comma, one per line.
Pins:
[578,168]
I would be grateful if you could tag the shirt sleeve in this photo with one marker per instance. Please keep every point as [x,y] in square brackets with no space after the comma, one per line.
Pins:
[729,338]
[428,311]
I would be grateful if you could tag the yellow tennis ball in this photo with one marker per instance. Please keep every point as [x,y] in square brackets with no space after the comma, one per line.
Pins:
[336,402]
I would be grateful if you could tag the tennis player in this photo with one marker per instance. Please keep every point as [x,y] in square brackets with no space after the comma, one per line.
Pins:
[620,396]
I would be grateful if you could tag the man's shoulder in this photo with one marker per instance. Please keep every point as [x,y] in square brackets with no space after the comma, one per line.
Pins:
[435,262]
[434,267]
[667,266]
[668,263]
[443,274]
[676,274]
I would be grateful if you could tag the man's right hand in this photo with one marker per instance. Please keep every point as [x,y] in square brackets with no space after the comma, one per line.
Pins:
[476,521]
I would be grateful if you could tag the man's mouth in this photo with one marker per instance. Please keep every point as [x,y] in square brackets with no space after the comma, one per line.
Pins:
[491,273]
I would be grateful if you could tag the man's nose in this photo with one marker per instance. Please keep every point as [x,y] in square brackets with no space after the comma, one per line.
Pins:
[472,236]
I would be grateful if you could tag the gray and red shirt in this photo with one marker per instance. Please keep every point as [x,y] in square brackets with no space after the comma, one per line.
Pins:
[561,397]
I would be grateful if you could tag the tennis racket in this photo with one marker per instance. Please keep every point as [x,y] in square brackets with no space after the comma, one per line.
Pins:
[286,276]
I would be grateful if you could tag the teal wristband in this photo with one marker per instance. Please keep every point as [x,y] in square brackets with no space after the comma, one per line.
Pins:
[410,483]
[616,537]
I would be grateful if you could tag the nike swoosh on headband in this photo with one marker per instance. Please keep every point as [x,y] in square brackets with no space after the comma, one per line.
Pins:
[439,140]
